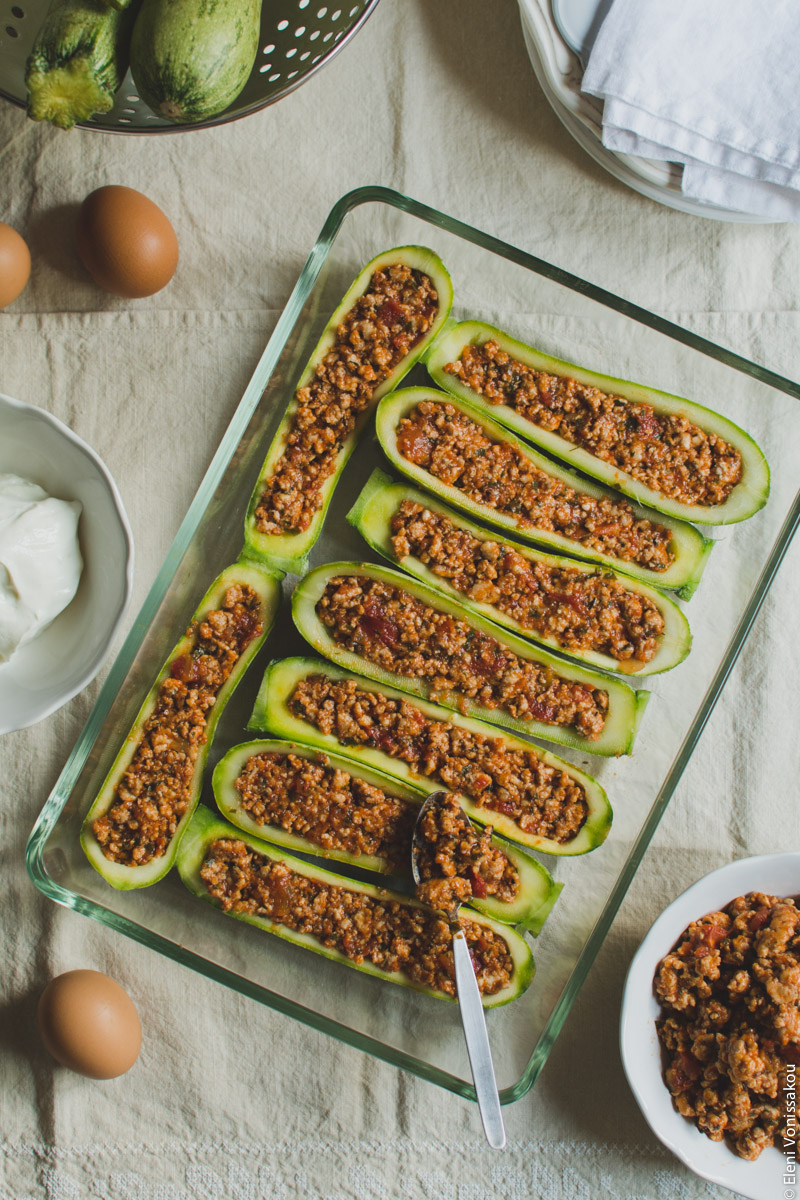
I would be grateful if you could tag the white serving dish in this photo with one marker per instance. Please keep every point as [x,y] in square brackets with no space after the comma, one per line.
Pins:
[66,656]
[776,874]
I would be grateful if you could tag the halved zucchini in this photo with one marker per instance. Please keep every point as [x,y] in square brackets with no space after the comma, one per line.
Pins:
[266,584]
[538,890]
[625,707]
[688,546]
[272,713]
[78,61]
[372,516]
[289,551]
[190,60]
[205,828]
[746,498]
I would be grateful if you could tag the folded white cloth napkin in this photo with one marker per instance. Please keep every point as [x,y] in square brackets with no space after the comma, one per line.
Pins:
[712,84]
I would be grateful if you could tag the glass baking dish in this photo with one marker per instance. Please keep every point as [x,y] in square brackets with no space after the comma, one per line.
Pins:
[574,320]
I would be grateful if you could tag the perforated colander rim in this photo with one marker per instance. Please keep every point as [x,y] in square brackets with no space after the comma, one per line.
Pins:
[230,114]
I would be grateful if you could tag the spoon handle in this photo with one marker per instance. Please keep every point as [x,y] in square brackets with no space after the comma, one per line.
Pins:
[480,1055]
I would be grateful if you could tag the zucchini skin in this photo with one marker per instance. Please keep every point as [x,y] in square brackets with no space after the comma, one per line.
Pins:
[190,60]
[372,513]
[625,706]
[749,495]
[271,713]
[119,875]
[78,61]
[289,551]
[691,548]
[205,828]
[538,890]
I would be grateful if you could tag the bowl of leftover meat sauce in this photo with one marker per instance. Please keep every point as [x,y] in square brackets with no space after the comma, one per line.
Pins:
[710,1027]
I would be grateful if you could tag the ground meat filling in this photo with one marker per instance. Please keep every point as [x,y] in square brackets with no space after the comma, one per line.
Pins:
[154,792]
[386,933]
[385,323]
[663,451]
[543,801]
[443,441]
[730,1024]
[326,805]
[405,636]
[579,612]
[456,861]
[335,811]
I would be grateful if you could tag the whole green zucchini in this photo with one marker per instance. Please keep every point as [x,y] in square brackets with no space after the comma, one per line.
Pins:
[190,59]
[288,549]
[531,907]
[625,707]
[179,667]
[372,516]
[78,61]
[272,712]
[746,497]
[205,829]
[689,548]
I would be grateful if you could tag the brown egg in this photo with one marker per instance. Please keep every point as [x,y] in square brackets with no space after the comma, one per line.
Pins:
[15,264]
[126,243]
[89,1024]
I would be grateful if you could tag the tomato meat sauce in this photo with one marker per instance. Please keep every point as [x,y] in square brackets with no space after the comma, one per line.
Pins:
[326,805]
[456,861]
[405,636]
[579,611]
[395,312]
[663,451]
[337,811]
[445,442]
[730,1021]
[155,790]
[384,932]
[544,801]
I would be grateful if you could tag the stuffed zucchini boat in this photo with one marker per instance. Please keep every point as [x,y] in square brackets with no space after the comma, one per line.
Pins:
[454,450]
[296,797]
[388,317]
[525,793]
[377,622]
[662,450]
[132,830]
[315,909]
[591,613]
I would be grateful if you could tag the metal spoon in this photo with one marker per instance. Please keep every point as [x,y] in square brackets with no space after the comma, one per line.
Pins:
[469,1000]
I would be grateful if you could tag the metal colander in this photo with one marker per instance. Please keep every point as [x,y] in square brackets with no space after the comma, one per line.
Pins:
[297,38]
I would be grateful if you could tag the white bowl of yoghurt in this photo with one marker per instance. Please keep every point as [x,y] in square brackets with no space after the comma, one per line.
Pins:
[66,564]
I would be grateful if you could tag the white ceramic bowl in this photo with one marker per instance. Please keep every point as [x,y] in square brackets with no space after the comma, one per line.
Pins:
[777,874]
[51,669]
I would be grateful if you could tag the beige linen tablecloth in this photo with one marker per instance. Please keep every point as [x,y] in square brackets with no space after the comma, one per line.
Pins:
[230,1099]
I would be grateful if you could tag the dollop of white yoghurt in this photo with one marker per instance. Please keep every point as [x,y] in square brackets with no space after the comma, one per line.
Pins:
[40,560]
